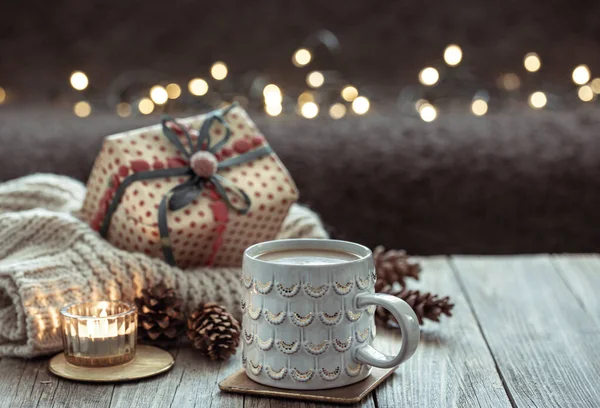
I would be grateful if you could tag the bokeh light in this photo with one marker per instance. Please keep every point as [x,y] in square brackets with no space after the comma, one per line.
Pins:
[509,81]
[453,55]
[79,80]
[595,84]
[532,62]
[82,109]
[301,57]
[145,106]
[428,112]
[309,110]
[349,93]
[305,96]
[273,109]
[2,95]
[420,103]
[337,110]
[586,93]
[198,86]
[538,100]
[159,95]
[271,88]
[479,107]
[272,94]
[581,74]
[361,105]
[173,90]
[315,79]
[429,76]
[123,109]
[219,70]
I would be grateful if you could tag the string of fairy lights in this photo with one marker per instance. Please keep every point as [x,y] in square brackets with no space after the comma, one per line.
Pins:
[272,97]
[587,88]
[424,101]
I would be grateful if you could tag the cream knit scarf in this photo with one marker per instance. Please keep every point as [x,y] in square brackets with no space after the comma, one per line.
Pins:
[49,258]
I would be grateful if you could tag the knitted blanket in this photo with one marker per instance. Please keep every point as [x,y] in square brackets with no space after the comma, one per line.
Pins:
[49,258]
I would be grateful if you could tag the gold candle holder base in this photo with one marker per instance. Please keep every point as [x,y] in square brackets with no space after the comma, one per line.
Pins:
[100,361]
[148,361]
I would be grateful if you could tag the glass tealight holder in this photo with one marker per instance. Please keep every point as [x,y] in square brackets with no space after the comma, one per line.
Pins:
[99,334]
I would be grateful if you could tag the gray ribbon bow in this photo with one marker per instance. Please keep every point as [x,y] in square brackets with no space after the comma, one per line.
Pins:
[183,194]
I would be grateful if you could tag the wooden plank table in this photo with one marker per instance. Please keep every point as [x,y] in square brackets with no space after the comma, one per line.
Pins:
[525,332]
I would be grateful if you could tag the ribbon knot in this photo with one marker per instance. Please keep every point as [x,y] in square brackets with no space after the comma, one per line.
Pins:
[204,164]
[202,168]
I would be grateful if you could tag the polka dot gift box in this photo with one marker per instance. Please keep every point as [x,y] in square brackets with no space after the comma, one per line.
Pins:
[197,191]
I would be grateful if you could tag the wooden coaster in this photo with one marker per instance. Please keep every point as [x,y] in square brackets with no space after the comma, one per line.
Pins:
[148,361]
[351,394]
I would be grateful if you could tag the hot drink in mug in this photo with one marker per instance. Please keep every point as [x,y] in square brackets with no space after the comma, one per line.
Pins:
[308,314]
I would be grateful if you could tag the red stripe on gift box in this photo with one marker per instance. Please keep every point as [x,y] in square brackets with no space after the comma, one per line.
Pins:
[221,216]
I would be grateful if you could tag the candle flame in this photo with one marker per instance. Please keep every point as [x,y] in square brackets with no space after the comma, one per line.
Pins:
[99,327]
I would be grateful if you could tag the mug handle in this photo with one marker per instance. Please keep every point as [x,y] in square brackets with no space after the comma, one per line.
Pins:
[409,327]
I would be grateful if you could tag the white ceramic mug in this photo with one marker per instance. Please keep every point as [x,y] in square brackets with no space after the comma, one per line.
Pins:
[311,326]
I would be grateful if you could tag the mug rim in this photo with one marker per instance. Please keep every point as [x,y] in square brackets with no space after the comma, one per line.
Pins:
[362,252]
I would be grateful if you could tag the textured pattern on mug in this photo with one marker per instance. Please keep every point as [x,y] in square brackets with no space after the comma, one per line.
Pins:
[308,326]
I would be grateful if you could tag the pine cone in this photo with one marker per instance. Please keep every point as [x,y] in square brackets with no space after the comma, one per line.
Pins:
[160,316]
[425,305]
[213,331]
[393,266]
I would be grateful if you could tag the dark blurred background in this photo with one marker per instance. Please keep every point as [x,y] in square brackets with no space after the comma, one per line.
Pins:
[514,179]
[383,41]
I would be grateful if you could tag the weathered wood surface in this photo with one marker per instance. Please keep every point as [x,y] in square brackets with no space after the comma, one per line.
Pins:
[453,366]
[581,274]
[544,342]
[525,332]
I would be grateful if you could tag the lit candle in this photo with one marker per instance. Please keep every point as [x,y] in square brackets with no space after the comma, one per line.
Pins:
[97,334]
